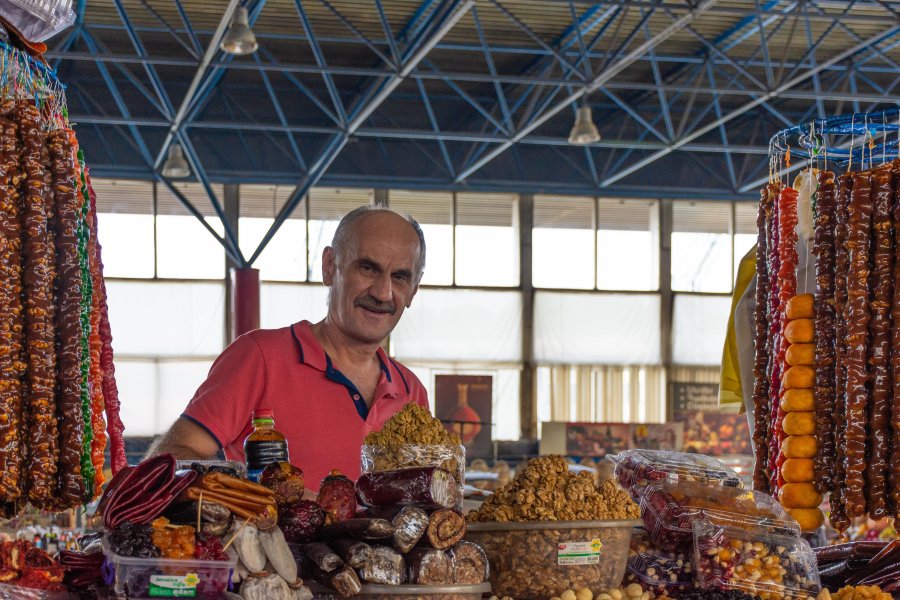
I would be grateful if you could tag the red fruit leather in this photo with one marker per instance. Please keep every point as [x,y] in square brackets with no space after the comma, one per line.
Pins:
[140,494]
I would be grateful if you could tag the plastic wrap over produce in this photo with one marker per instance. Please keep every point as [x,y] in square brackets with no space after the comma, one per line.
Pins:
[376,459]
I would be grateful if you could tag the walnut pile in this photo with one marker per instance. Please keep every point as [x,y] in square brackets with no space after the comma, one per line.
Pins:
[413,438]
[545,490]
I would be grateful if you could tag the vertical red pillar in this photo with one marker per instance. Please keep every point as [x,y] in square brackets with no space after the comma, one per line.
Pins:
[244,300]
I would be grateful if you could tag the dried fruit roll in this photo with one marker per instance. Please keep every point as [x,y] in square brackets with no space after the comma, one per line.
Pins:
[40,339]
[12,366]
[87,463]
[446,528]
[857,317]
[894,474]
[839,519]
[824,250]
[429,567]
[114,426]
[760,348]
[879,349]
[773,337]
[470,563]
[68,323]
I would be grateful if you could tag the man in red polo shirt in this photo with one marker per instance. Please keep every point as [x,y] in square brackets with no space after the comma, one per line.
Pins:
[328,383]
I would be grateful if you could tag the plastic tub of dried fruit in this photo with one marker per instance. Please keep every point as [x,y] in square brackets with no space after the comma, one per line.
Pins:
[540,560]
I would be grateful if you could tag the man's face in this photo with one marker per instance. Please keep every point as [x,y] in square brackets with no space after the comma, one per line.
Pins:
[373,277]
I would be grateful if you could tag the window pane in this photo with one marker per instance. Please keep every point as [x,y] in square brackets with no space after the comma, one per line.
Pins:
[186,250]
[136,380]
[461,325]
[284,257]
[487,250]
[563,242]
[178,380]
[127,244]
[125,223]
[699,326]
[612,329]
[745,232]
[327,206]
[434,213]
[167,319]
[282,304]
[701,247]
[627,244]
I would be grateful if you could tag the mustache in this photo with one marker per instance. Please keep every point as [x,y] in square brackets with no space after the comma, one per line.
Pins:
[372,304]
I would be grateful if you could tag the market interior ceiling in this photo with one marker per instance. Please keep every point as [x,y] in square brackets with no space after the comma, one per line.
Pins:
[471,94]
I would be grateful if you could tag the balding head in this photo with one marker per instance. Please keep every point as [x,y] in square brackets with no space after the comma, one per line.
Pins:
[385,215]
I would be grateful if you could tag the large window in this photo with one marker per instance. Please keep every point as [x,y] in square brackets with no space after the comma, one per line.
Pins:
[563,242]
[125,218]
[326,208]
[745,232]
[487,240]
[184,248]
[284,257]
[627,244]
[699,326]
[701,247]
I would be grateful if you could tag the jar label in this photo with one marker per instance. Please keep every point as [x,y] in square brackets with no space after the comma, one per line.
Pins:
[173,586]
[578,553]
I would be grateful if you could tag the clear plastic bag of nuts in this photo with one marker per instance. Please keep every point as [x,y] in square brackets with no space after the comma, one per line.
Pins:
[757,561]
[402,456]
[664,573]
[638,468]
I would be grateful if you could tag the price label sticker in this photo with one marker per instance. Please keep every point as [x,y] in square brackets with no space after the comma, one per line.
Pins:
[578,553]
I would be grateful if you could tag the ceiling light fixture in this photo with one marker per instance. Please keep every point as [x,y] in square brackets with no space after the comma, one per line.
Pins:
[239,38]
[584,131]
[176,167]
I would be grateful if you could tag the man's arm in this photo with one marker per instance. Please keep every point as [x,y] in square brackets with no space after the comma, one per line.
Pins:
[186,440]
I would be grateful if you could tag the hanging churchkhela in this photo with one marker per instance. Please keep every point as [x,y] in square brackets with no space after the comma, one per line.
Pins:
[826,364]
[56,373]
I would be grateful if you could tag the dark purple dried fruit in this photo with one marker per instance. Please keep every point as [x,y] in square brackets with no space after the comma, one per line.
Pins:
[285,480]
[337,495]
[300,521]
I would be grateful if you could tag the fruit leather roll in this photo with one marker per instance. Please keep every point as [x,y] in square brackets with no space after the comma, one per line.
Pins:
[470,563]
[760,349]
[773,338]
[12,366]
[353,552]
[425,487]
[824,323]
[894,469]
[68,324]
[858,314]
[410,524]
[385,567]
[879,430]
[139,494]
[360,529]
[429,567]
[40,313]
[446,528]
[324,557]
[343,580]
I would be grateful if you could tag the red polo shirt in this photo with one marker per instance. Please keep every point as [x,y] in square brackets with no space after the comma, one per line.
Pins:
[319,410]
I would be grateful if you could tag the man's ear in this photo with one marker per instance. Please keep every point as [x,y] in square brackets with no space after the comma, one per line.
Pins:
[328,265]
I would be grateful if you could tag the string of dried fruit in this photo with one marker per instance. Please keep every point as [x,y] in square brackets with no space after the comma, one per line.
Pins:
[39,316]
[857,316]
[879,349]
[98,299]
[68,324]
[839,518]
[761,353]
[823,248]
[11,336]
[894,476]
[87,463]
[773,315]
[114,425]
[787,289]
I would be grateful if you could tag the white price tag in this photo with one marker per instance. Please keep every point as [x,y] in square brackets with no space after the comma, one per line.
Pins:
[578,553]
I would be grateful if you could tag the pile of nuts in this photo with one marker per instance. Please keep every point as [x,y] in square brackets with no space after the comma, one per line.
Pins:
[413,438]
[545,490]
[859,592]
[770,571]
[631,592]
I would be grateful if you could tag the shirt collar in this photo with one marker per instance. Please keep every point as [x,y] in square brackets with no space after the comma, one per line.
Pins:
[310,352]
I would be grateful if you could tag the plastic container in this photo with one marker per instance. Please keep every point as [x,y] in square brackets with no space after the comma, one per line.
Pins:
[166,577]
[10,591]
[756,561]
[540,560]
[670,509]
[38,20]
[636,469]
[665,574]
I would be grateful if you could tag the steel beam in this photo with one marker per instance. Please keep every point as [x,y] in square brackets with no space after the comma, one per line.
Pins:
[594,85]
[749,106]
[368,104]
